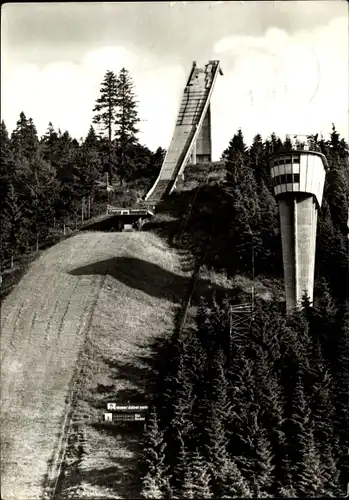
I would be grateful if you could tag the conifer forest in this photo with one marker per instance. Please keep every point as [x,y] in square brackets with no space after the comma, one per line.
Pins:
[254,407]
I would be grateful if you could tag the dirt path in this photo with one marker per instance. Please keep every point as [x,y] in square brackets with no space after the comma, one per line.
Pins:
[110,287]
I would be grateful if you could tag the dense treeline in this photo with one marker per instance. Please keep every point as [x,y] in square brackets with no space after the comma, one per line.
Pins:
[257,405]
[44,181]
[236,222]
[259,410]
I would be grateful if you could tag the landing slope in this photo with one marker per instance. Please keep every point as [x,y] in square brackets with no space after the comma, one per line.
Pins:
[45,322]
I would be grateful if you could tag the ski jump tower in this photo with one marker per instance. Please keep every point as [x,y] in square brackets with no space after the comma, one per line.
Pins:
[298,176]
[191,141]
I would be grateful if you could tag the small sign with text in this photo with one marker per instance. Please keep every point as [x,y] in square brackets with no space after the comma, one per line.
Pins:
[129,412]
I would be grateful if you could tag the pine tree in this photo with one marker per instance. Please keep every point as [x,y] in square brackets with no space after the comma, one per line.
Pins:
[310,480]
[245,213]
[216,442]
[154,458]
[201,476]
[263,479]
[235,157]
[187,489]
[127,115]
[203,489]
[91,141]
[24,139]
[330,471]
[196,482]
[256,463]
[179,402]
[287,144]
[150,488]
[6,177]
[341,390]
[232,484]
[276,143]
[16,225]
[126,120]
[51,147]
[269,393]
[182,399]
[286,488]
[6,160]
[181,473]
[243,393]
[236,146]
[106,104]
[258,161]
[307,472]
[88,164]
[320,398]
[219,386]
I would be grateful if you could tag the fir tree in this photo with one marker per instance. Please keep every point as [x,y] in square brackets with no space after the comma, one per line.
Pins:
[24,138]
[341,377]
[151,488]
[310,480]
[179,409]
[237,147]
[232,484]
[154,458]
[215,442]
[6,178]
[181,473]
[286,487]
[126,120]
[287,144]
[196,482]
[258,161]
[330,471]
[16,225]
[256,463]
[127,115]
[51,146]
[263,479]
[91,141]
[307,472]
[106,104]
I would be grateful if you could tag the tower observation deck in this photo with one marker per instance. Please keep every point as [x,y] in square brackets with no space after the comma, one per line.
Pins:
[191,139]
[298,175]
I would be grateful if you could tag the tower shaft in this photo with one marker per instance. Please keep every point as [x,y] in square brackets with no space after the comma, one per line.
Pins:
[298,178]
[298,219]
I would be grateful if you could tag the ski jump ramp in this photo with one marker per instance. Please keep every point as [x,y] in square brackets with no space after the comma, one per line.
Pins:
[192,133]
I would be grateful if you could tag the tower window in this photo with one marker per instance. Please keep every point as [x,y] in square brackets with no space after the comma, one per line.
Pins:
[285,179]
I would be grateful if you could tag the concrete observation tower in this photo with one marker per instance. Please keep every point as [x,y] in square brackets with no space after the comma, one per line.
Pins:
[298,175]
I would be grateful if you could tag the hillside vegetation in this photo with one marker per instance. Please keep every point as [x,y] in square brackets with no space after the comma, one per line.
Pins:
[82,314]
[254,404]
[241,404]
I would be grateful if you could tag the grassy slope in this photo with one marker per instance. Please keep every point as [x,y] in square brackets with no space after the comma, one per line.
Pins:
[93,305]
[97,297]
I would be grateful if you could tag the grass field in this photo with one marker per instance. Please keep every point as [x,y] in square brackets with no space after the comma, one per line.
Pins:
[86,311]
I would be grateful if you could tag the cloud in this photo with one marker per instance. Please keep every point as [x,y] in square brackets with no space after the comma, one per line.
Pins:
[284,83]
[287,83]
[64,93]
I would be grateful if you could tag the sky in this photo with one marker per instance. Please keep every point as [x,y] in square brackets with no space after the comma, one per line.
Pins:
[285,64]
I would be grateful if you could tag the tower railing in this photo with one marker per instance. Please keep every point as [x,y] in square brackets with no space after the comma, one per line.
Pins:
[297,142]
[304,142]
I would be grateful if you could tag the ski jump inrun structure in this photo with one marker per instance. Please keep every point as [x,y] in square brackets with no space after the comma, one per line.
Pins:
[191,139]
